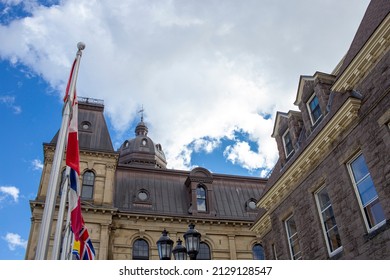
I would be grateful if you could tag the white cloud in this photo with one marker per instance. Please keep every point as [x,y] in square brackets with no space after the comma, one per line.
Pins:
[202,71]
[14,240]
[6,191]
[37,164]
[9,101]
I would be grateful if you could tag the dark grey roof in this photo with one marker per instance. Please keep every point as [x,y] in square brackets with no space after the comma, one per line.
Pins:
[93,131]
[169,194]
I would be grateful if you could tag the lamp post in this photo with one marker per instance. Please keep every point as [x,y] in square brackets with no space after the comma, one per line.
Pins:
[192,241]
[192,238]
[179,252]
[164,245]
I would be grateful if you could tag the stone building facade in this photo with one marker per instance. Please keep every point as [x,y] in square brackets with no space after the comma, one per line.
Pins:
[129,197]
[329,194]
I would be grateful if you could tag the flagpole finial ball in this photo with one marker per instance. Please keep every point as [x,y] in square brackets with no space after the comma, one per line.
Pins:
[81,46]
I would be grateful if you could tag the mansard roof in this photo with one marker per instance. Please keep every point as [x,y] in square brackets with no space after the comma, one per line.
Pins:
[93,130]
[168,194]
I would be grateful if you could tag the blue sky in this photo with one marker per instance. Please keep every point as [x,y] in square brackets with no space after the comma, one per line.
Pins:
[209,74]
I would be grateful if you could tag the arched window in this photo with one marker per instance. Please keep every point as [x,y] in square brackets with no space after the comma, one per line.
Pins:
[140,250]
[201,199]
[258,252]
[88,184]
[204,252]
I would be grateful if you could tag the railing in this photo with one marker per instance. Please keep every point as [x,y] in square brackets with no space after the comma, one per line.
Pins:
[90,100]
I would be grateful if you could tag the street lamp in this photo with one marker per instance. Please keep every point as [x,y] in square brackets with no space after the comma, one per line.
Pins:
[164,245]
[179,252]
[192,238]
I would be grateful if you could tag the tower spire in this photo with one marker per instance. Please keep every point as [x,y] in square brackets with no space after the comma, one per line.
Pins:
[142,113]
[141,128]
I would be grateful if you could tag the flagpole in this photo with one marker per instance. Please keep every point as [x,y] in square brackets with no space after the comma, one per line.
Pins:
[66,243]
[48,211]
[60,218]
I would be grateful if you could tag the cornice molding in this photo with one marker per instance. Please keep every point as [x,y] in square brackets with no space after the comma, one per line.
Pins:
[262,226]
[310,156]
[179,219]
[372,51]
[96,153]
[115,213]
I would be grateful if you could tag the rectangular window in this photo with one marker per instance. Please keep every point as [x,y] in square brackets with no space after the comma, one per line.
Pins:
[328,221]
[368,198]
[314,109]
[288,146]
[293,239]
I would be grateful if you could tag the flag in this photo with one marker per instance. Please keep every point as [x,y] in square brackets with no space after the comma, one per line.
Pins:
[86,251]
[73,161]
[72,150]
[76,219]
[76,250]
[70,80]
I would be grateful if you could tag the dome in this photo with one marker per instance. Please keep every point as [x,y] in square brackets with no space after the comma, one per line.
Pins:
[141,151]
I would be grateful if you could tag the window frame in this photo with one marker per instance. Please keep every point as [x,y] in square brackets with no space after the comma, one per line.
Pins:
[204,249]
[324,231]
[140,257]
[275,255]
[261,252]
[284,143]
[292,255]
[313,123]
[83,185]
[357,193]
[203,198]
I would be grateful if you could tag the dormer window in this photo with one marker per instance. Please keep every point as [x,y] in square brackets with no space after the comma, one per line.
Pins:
[314,109]
[288,146]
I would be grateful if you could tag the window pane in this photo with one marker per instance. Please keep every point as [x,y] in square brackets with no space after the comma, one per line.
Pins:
[328,217]
[201,199]
[359,168]
[204,252]
[314,103]
[366,190]
[367,193]
[293,239]
[334,239]
[140,250]
[288,143]
[258,252]
[86,192]
[88,184]
[375,213]
[330,228]
[323,199]
[201,204]
[291,227]
[315,109]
